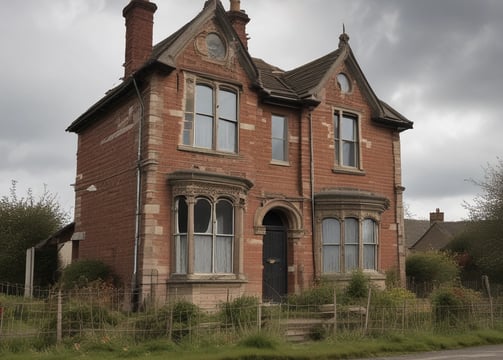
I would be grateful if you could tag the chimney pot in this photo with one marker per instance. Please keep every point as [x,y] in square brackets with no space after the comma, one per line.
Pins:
[239,19]
[235,5]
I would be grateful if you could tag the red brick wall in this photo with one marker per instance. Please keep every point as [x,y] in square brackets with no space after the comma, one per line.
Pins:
[106,160]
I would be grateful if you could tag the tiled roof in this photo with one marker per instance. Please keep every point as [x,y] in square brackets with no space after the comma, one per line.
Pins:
[271,80]
[295,87]
[438,235]
[307,77]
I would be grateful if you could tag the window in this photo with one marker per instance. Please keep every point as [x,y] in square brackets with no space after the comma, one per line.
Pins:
[279,134]
[211,116]
[342,245]
[346,139]
[344,83]
[213,235]
[207,212]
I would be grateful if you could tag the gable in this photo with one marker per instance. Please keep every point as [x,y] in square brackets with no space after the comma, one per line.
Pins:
[212,20]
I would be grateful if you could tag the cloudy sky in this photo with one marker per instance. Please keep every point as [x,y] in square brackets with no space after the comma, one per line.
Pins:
[438,62]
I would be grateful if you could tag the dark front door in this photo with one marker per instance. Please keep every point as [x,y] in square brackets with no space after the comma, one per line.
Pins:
[275,265]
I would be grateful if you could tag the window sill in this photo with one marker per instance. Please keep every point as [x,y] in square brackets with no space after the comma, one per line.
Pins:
[372,274]
[280,163]
[207,151]
[206,278]
[349,171]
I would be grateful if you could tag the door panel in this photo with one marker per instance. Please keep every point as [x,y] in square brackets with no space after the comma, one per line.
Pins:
[275,267]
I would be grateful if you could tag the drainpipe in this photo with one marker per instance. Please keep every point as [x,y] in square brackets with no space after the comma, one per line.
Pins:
[311,179]
[137,238]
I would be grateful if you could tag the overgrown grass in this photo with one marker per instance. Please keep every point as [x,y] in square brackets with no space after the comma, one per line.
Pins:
[260,346]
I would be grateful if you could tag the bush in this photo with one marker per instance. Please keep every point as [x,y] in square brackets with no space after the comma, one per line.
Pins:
[80,273]
[241,312]
[315,296]
[451,306]
[258,341]
[175,319]
[392,298]
[358,286]
[79,319]
[432,266]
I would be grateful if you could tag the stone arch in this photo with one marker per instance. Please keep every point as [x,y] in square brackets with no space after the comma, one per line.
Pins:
[291,215]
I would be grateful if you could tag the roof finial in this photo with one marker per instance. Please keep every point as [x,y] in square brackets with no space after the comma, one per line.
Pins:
[343,38]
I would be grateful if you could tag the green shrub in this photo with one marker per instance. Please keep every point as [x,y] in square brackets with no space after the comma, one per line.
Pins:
[315,296]
[80,273]
[437,267]
[241,312]
[258,341]
[79,319]
[392,297]
[173,320]
[358,286]
[452,306]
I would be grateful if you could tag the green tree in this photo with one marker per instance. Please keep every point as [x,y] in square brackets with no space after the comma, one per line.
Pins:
[483,240]
[24,222]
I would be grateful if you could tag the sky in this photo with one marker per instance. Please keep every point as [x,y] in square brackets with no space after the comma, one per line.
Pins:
[438,62]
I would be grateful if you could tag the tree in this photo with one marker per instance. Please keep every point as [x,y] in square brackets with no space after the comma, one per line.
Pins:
[483,240]
[24,222]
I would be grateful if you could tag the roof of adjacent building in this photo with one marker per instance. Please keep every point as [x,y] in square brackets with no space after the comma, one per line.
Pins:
[437,235]
[297,87]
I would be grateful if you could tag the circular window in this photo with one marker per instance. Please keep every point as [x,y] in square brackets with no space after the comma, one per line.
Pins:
[215,46]
[344,83]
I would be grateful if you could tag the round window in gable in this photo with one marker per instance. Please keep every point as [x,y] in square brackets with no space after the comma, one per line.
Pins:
[344,83]
[215,46]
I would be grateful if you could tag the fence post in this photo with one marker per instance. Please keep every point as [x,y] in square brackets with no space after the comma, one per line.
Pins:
[1,319]
[485,279]
[59,321]
[335,312]
[367,313]
[259,317]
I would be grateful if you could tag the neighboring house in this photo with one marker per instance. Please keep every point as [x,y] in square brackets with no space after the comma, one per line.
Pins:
[209,174]
[437,234]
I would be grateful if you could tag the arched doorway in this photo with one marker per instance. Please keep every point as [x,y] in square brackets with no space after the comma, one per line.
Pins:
[275,267]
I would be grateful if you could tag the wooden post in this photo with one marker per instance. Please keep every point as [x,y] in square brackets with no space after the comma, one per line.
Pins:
[485,279]
[259,317]
[335,312]
[367,311]
[59,319]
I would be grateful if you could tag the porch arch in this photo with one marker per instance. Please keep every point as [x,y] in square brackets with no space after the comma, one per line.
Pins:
[291,215]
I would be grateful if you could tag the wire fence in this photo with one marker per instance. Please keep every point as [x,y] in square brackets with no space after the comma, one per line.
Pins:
[100,314]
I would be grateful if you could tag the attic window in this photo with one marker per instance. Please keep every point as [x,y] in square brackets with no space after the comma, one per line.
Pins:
[215,46]
[343,82]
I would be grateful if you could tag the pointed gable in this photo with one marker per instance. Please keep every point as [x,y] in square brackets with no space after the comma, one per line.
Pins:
[304,83]
[167,50]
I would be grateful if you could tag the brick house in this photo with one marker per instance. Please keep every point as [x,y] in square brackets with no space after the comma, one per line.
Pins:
[208,173]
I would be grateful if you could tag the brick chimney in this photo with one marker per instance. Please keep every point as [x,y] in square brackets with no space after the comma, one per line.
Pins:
[436,216]
[139,15]
[239,19]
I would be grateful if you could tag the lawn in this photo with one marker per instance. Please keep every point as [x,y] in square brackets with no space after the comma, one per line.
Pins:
[257,347]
